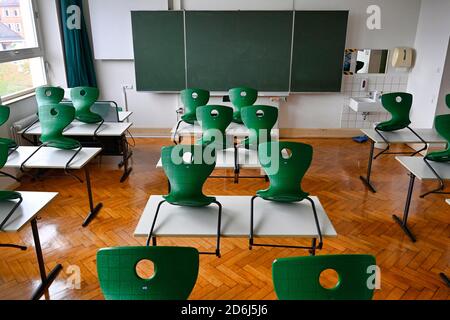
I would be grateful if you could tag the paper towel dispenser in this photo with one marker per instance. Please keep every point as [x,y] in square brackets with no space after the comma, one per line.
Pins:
[402,57]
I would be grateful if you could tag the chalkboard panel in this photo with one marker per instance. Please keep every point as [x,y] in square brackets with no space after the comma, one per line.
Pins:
[226,49]
[158,38]
[319,44]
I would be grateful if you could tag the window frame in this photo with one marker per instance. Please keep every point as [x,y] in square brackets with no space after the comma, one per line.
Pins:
[27,53]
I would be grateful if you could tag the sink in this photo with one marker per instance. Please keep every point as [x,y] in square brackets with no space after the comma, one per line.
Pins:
[365,105]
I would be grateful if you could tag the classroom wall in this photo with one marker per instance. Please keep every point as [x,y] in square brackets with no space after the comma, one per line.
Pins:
[154,111]
[431,45]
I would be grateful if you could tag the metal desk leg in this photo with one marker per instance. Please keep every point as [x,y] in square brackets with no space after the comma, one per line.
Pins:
[445,279]
[404,221]
[93,211]
[237,168]
[126,156]
[366,180]
[46,280]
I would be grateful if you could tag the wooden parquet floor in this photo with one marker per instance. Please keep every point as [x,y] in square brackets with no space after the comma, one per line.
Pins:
[362,220]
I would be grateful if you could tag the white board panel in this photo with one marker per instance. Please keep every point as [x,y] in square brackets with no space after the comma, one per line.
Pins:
[111,26]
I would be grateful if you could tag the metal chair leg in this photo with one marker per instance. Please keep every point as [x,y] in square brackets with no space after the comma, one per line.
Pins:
[174,136]
[252,207]
[24,132]
[9,176]
[385,141]
[219,229]
[2,224]
[22,166]
[317,225]
[150,236]
[441,181]
[421,139]
[66,169]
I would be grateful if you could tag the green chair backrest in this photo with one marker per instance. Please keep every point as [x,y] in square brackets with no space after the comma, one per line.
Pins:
[187,167]
[4,114]
[260,121]
[49,95]
[214,120]
[4,149]
[192,99]
[240,98]
[54,118]
[175,273]
[83,99]
[297,278]
[285,163]
[398,104]
[447,100]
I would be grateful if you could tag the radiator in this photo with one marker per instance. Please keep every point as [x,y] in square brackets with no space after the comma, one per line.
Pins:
[19,126]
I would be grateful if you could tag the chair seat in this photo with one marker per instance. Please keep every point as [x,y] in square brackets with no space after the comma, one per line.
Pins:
[389,126]
[63,143]
[281,197]
[11,143]
[9,195]
[439,156]
[89,118]
[201,201]
[189,118]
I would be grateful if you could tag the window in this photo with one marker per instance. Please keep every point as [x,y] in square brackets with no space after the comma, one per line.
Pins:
[21,57]
[16,13]
[6,13]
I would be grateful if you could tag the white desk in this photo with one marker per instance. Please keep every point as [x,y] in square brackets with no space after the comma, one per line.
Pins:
[234,129]
[91,134]
[418,169]
[51,158]
[33,203]
[271,219]
[124,115]
[448,201]
[77,129]
[404,136]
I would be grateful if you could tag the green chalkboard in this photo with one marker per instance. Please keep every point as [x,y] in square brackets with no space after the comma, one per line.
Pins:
[158,38]
[227,49]
[319,44]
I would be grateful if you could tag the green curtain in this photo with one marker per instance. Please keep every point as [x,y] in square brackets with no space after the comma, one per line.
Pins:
[77,49]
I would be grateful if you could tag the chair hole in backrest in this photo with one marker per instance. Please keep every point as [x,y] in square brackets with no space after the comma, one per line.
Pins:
[83,93]
[260,113]
[48,93]
[398,99]
[243,94]
[329,279]
[286,153]
[188,158]
[54,112]
[145,269]
[214,113]
[194,95]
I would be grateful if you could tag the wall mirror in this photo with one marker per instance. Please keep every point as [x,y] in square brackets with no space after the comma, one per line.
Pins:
[364,61]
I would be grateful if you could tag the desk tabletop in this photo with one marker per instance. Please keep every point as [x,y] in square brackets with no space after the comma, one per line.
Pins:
[405,136]
[247,159]
[417,166]
[50,158]
[234,129]
[33,203]
[124,115]
[271,219]
[448,201]
[76,128]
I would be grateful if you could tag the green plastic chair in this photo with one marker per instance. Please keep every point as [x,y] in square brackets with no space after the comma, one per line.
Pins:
[442,125]
[8,196]
[49,95]
[294,160]
[187,169]
[191,100]
[176,272]
[4,117]
[240,98]
[398,104]
[54,118]
[83,98]
[214,120]
[297,278]
[260,120]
